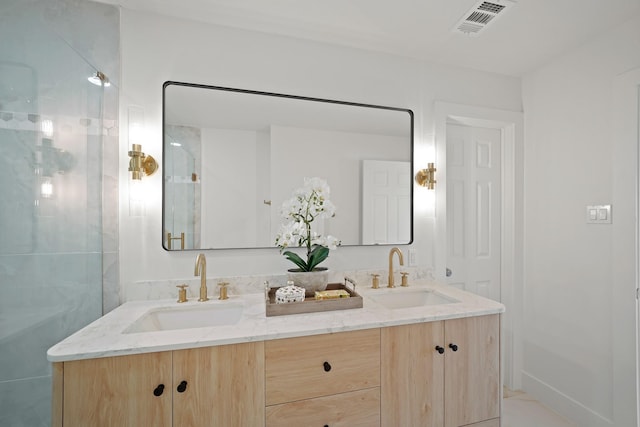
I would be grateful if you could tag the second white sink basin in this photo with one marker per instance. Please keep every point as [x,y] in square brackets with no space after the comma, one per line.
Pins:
[395,299]
[170,318]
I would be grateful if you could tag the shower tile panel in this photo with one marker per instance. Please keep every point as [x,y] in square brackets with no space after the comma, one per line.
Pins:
[29,401]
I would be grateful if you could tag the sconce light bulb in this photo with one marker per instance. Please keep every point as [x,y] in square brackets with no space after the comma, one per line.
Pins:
[47,128]
[136,192]
[46,189]
[136,134]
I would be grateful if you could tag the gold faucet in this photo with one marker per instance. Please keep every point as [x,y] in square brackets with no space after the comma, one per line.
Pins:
[201,270]
[400,258]
[223,290]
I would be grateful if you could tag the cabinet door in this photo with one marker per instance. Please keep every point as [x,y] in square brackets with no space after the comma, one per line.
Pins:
[118,391]
[472,372]
[412,379]
[219,386]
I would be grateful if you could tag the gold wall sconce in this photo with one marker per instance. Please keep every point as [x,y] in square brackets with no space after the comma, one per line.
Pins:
[427,177]
[140,164]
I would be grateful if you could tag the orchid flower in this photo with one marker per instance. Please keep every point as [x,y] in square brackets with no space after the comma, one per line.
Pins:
[308,203]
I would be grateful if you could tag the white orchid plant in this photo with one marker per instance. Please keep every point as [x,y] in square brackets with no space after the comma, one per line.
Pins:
[307,204]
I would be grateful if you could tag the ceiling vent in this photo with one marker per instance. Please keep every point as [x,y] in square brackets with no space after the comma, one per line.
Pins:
[480,16]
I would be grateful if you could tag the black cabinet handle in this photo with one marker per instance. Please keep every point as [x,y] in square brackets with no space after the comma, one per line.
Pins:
[327,366]
[158,390]
[439,349]
[182,387]
[453,347]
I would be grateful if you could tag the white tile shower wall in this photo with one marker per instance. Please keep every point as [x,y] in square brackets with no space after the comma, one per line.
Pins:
[26,403]
[60,216]
[49,294]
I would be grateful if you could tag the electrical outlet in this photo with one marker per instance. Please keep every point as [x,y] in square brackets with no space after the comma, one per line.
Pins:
[412,257]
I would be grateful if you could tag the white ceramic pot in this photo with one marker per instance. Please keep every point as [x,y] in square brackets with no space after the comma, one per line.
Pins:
[311,281]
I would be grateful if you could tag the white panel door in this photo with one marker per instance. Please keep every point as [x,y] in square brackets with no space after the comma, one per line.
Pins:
[474,209]
[386,202]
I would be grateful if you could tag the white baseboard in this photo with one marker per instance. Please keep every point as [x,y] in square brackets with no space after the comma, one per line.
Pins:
[559,402]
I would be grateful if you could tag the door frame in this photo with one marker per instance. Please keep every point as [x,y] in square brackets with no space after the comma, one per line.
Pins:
[625,245]
[511,125]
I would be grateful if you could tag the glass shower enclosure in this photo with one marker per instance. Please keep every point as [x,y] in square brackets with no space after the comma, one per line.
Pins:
[52,128]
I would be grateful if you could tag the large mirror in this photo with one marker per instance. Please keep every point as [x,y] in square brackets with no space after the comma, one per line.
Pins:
[231,157]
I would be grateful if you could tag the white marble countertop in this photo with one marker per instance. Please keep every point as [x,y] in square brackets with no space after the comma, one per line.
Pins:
[106,336]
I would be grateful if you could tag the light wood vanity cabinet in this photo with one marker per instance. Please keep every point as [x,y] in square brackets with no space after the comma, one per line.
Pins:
[458,387]
[212,386]
[331,379]
[391,377]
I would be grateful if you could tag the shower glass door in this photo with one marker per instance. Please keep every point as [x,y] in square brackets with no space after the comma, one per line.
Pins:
[51,154]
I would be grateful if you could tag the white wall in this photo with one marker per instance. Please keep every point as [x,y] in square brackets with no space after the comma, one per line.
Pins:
[570,333]
[224,225]
[342,172]
[156,49]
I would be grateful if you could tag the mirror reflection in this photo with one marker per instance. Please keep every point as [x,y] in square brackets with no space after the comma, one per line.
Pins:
[231,157]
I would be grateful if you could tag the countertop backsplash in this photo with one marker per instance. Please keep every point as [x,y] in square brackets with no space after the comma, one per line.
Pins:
[242,285]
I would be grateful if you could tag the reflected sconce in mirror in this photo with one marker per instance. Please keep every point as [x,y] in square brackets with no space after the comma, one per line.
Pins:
[140,164]
[99,79]
[46,188]
[51,161]
[427,177]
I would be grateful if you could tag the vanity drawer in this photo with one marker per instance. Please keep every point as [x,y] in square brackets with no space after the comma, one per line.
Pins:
[357,408]
[321,365]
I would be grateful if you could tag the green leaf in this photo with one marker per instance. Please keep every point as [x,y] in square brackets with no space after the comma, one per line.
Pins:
[294,258]
[317,255]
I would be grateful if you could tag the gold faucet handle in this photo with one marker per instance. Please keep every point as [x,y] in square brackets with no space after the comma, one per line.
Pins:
[375,281]
[405,280]
[182,293]
[223,290]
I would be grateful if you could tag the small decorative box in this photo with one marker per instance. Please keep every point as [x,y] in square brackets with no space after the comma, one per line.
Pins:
[289,294]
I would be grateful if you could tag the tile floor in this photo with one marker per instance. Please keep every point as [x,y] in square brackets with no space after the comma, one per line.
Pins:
[521,410]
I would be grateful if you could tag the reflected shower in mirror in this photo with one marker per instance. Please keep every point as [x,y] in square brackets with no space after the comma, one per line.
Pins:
[231,157]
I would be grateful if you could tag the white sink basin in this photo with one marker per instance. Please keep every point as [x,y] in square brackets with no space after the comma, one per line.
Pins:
[170,318]
[395,299]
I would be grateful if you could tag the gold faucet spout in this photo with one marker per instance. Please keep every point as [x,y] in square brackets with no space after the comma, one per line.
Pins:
[201,270]
[400,258]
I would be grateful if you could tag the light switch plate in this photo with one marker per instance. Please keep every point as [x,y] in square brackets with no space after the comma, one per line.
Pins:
[599,214]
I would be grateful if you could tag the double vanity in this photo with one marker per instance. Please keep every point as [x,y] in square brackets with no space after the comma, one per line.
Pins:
[423,355]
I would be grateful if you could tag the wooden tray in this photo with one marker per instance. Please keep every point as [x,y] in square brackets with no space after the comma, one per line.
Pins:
[311,305]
